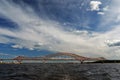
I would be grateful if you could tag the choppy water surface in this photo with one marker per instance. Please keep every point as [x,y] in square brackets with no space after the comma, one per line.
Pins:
[60,71]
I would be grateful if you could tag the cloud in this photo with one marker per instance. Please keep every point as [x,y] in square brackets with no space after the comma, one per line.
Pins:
[112,14]
[106,8]
[37,33]
[3,39]
[101,13]
[16,46]
[114,44]
[94,5]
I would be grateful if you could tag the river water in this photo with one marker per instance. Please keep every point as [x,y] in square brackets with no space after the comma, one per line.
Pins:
[60,71]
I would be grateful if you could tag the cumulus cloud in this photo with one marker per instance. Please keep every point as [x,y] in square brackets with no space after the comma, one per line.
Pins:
[37,33]
[94,5]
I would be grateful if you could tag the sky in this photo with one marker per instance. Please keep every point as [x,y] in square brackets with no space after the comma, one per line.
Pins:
[38,27]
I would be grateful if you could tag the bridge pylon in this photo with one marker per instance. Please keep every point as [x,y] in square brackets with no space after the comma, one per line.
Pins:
[81,61]
[1,61]
[19,61]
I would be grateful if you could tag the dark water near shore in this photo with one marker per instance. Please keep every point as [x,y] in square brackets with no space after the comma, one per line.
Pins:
[60,71]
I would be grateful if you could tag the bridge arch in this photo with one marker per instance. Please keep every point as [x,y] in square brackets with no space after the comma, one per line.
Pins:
[55,56]
[19,59]
[75,56]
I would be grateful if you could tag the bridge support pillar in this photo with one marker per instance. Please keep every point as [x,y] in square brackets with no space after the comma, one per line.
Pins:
[81,61]
[44,61]
[1,61]
[19,61]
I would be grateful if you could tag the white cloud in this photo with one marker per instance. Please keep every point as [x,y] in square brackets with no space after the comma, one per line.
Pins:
[3,39]
[112,14]
[106,8]
[101,13]
[16,46]
[94,5]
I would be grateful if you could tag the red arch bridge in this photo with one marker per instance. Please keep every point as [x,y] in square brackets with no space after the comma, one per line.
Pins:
[54,57]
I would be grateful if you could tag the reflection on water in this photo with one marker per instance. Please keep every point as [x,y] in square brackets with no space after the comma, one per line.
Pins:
[61,71]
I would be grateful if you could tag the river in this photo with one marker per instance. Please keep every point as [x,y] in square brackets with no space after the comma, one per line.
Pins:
[60,71]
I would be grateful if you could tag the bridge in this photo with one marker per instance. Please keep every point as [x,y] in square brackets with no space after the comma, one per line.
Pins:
[61,56]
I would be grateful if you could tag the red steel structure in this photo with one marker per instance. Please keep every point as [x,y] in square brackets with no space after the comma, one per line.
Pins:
[56,56]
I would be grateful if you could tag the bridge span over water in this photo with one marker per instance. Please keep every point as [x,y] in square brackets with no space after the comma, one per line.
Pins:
[54,57]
